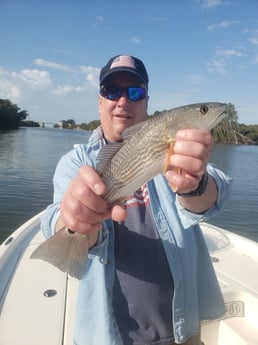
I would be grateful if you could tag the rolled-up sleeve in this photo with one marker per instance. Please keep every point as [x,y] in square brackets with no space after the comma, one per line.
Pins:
[224,185]
[49,219]
[66,170]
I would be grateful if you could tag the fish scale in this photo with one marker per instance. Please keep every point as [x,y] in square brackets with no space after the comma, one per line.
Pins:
[134,174]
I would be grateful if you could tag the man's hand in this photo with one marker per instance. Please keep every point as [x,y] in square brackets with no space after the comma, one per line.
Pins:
[83,207]
[190,157]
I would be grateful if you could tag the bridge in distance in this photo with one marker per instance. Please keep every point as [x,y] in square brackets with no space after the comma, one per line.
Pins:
[48,124]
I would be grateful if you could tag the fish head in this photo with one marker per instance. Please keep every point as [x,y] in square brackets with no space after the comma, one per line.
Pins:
[196,116]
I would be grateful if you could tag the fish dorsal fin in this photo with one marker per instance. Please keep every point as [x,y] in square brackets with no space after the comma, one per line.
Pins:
[108,151]
[130,131]
[105,155]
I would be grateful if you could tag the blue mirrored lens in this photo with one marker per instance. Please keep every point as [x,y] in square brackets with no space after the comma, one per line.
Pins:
[134,93]
[113,94]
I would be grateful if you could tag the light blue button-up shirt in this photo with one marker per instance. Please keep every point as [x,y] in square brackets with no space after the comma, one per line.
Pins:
[197,295]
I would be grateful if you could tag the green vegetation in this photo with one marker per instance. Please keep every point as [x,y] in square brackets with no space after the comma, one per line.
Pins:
[228,131]
[68,124]
[11,115]
[90,126]
[250,132]
[29,123]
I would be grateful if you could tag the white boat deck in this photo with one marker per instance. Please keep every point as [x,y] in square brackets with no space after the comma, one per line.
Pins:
[27,315]
[37,301]
[236,264]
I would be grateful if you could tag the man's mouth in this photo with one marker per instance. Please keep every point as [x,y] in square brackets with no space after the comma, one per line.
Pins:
[123,116]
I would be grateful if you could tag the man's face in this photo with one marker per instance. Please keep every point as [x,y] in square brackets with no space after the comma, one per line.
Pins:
[117,115]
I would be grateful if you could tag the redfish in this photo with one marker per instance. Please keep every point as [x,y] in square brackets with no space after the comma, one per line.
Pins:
[124,167]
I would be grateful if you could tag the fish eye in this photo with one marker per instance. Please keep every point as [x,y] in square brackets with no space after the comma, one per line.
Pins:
[71,232]
[204,109]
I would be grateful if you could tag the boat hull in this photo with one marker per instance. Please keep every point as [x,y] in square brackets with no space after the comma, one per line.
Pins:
[40,300]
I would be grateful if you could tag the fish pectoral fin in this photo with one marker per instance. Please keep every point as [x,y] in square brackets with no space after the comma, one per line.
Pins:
[65,250]
[105,155]
[167,166]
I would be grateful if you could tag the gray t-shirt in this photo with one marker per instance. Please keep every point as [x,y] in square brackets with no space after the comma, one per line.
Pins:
[143,288]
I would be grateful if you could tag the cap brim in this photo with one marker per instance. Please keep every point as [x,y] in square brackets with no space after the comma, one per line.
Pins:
[121,69]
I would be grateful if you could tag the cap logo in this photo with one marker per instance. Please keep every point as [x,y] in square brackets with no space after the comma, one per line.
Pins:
[123,61]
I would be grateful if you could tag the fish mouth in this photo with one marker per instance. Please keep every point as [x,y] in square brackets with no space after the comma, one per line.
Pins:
[221,115]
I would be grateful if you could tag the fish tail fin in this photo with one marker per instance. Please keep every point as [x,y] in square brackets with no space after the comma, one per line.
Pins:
[66,250]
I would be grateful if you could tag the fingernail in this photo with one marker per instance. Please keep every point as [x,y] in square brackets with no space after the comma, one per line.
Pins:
[171,176]
[98,189]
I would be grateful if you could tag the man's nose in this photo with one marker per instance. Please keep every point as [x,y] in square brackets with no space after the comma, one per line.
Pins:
[123,99]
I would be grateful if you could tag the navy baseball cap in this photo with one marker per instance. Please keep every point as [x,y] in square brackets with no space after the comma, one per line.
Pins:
[124,63]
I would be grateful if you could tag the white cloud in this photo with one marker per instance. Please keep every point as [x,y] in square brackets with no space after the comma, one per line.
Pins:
[245,31]
[216,65]
[160,19]
[35,78]
[45,63]
[99,19]
[256,59]
[92,75]
[223,25]
[18,85]
[223,55]
[209,3]
[229,52]
[98,22]
[8,89]
[66,89]
[195,79]
[254,40]
[44,98]
[25,84]
[136,40]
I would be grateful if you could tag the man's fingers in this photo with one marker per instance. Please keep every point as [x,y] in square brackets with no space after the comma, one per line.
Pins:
[199,135]
[92,179]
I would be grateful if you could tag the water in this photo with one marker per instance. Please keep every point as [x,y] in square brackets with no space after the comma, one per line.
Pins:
[28,158]
[241,212]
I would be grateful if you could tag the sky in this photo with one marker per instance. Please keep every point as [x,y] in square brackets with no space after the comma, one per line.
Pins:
[52,51]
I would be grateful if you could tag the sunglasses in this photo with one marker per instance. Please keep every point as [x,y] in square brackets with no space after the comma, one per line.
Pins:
[113,93]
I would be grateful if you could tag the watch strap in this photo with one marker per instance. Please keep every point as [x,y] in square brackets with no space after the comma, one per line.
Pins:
[200,189]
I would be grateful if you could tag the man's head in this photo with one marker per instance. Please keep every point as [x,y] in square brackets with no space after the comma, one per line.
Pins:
[124,63]
[123,95]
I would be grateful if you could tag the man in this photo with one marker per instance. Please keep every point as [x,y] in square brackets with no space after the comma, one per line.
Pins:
[149,278]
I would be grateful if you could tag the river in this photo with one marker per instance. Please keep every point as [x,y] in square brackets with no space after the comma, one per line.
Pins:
[28,158]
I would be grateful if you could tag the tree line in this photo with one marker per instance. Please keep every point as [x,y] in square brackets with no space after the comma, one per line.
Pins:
[11,115]
[228,131]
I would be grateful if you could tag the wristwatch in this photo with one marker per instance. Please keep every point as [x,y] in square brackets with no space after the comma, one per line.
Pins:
[200,189]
